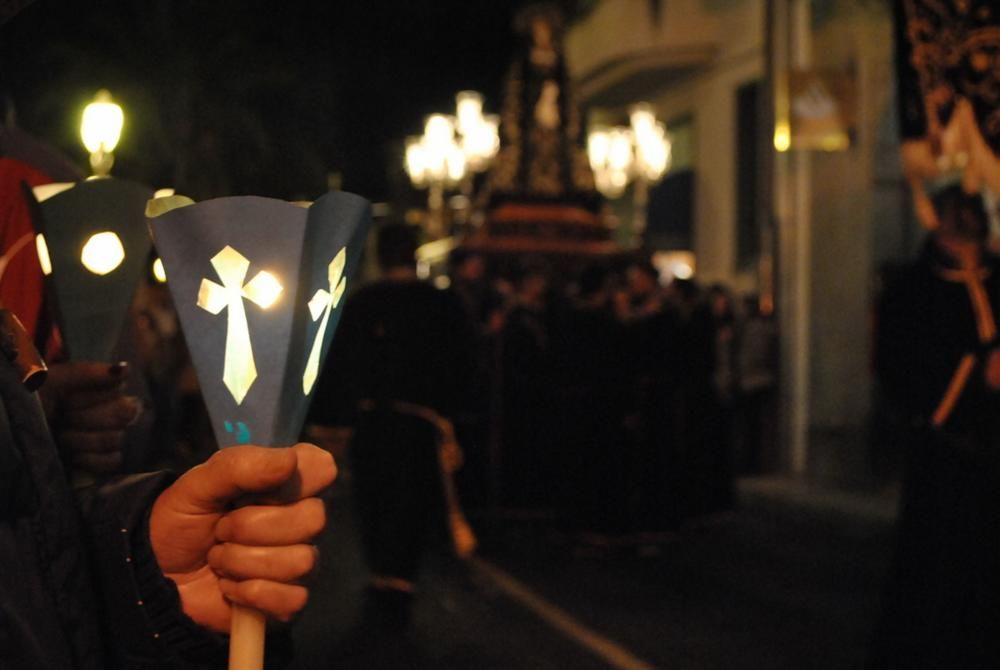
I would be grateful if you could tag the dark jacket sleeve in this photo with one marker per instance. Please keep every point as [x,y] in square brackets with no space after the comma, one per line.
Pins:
[88,581]
[148,629]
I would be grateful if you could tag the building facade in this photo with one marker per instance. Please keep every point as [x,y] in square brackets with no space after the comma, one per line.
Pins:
[773,210]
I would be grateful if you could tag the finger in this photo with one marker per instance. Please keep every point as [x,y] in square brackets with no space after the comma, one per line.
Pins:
[85,399]
[315,470]
[230,473]
[278,564]
[273,525]
[70,377]
[276,600]
[99,442]
[98,463]
[114,415]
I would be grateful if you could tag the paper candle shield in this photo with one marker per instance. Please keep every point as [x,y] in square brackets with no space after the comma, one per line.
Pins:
[259,286]
[95,243]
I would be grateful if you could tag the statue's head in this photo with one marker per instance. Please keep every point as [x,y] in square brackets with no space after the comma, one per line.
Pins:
[541,24]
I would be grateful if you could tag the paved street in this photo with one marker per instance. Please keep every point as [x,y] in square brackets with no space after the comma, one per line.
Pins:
[777,585]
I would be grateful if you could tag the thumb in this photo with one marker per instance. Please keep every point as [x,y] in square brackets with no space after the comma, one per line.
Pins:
[231,473]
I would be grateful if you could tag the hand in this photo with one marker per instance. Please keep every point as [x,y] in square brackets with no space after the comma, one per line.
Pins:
[253,555]
[992,372]
[88,412]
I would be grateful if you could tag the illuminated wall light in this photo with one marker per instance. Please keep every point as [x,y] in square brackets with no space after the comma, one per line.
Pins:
[782,136]
[682,270]
[676,264]
[159,272]
[43,254]
[102,253]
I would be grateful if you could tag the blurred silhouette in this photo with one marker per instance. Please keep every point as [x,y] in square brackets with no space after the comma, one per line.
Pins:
[591,355]
[939,366]
[399,368]
[527,419]
[757,363]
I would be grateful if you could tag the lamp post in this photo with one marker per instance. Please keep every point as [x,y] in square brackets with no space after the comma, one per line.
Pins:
[480,140]
[480,133]
[435,161]
[100,130]
[449,152]
[639,153]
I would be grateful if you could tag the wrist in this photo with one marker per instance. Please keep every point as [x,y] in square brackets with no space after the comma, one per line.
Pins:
[161,605]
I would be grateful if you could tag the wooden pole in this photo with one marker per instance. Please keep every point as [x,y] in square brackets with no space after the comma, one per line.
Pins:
[246,639]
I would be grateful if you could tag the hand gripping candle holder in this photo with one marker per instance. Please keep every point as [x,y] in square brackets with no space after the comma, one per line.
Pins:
[259,286]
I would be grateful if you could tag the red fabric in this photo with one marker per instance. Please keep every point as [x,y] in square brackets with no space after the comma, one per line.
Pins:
[21,283]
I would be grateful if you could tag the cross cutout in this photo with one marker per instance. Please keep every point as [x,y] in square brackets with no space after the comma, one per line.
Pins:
[239,370]
[322,304]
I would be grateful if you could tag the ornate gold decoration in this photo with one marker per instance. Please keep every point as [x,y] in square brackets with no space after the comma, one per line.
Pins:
[322,304]
[239,370]
[955,52]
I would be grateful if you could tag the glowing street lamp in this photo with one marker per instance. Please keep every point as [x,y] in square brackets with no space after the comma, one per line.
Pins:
[100,130]
[639,153]
[451,149]
[435,161]
[480,134]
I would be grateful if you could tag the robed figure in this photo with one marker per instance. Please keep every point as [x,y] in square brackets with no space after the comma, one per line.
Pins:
[937,348]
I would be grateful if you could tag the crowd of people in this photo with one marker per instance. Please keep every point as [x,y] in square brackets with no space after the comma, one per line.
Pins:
[609,399]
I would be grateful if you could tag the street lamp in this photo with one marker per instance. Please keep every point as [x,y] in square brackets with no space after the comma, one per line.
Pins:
[435,161]
[100,129]
[639,153]
[480,133]
[451,149]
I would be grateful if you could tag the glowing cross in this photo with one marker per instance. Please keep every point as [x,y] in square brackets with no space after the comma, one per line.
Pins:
[322,303]
[239,370]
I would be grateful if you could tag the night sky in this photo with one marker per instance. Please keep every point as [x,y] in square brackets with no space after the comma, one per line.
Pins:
[254,97]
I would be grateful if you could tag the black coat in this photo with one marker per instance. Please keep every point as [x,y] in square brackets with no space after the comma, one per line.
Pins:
[942,604]
[79,585]
[398,340]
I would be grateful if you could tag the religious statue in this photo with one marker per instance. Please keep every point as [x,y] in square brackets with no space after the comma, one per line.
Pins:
[539,196]
[541,155]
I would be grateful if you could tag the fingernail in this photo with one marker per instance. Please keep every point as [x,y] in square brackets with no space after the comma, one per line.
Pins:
[118,369]
[228,589]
